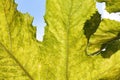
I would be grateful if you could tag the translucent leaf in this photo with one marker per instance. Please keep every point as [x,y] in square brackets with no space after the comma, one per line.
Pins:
[71,26]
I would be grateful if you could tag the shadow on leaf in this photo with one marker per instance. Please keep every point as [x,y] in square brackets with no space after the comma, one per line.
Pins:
[111,49]
[92,25]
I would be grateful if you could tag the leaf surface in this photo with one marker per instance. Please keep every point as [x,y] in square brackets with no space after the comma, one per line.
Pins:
[71,25]
[18,46]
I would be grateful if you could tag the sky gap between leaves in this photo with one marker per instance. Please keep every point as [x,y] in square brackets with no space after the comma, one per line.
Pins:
[36,8]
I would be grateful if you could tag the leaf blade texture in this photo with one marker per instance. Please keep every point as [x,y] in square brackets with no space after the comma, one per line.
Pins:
[71,24]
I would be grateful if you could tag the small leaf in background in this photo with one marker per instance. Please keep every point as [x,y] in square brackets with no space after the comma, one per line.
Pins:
[111,5]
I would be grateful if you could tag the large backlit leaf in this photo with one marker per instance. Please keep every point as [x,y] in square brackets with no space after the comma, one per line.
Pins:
[18,47]
[71,26]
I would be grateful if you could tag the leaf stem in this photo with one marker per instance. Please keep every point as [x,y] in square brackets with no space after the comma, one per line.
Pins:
[67,42]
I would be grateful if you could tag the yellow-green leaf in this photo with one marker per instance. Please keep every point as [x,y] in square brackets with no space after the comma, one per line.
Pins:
[71,26]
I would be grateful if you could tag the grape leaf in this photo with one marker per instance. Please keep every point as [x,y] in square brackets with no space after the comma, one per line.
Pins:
[62,53]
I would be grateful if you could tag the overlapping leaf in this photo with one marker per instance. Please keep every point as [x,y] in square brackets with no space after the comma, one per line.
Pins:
[111,5]
[61,55]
